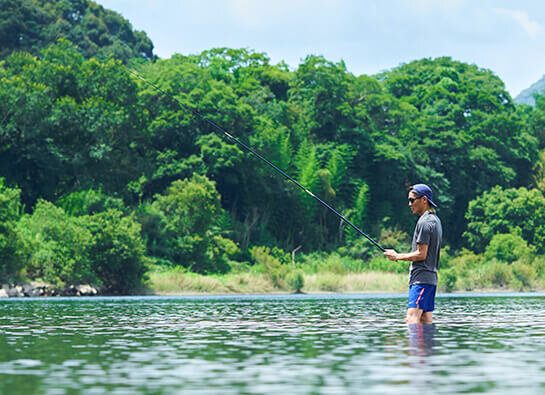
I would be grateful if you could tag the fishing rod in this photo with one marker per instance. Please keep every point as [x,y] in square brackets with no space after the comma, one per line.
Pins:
[230,136]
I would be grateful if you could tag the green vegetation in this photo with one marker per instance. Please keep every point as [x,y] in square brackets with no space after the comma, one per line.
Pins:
[105,179]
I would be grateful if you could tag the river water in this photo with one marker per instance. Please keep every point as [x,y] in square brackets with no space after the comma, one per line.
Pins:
[287,344]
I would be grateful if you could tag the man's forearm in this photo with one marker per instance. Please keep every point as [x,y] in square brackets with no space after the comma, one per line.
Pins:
[411,256]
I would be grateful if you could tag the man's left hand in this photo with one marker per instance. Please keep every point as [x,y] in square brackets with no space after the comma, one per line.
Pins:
[391,255]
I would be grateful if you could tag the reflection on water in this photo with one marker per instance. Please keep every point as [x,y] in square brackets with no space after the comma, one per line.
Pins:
[421,339]
[268,344]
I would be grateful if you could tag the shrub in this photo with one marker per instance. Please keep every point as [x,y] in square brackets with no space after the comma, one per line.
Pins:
[11,243]
[357,248]
[88,202]
[466,260]
[524,274]
[539,265]
[501,211]
[57,245]
[507,247]
[116,251]
[328,282]
[394,239]
[182,226]
[382,264]
[467,267]
[269,265]
[333,264]
[498,274]
[447,279]
[295,280]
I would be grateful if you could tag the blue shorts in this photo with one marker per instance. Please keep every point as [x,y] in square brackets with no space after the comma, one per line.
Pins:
[422,296]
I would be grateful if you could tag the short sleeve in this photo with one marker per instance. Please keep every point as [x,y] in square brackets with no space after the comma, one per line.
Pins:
[423,234]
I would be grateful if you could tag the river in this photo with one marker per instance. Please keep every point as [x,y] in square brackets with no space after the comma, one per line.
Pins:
[270,344]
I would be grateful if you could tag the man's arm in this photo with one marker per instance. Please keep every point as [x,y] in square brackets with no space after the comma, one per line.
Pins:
[419,255]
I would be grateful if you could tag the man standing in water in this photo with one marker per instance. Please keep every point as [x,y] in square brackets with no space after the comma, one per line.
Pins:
[424,256]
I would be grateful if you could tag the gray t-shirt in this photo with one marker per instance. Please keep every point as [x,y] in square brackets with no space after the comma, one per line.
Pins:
[428,231]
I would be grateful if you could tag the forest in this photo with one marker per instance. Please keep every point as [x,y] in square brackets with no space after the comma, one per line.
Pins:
[106,180]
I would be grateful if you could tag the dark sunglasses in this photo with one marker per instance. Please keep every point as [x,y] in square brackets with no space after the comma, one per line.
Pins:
[411,199]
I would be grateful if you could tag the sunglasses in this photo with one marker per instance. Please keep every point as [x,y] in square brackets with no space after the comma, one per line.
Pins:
[411,199]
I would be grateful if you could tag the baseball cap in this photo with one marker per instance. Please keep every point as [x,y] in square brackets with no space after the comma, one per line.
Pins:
[423,190]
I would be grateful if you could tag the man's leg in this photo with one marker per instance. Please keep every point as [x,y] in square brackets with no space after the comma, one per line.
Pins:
[426,317]
[413,315]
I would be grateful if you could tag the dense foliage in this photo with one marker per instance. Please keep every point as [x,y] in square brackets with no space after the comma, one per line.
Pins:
[30,25]
[112,173]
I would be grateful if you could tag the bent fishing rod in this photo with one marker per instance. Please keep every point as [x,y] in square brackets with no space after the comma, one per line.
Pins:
[231,137]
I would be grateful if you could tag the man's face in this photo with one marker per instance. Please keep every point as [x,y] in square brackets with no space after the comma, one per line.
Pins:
[416,203]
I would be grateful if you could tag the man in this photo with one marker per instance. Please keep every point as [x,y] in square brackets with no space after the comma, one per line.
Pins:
[424,256]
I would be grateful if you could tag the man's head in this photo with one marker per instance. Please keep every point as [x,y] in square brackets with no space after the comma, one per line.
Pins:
[420,199]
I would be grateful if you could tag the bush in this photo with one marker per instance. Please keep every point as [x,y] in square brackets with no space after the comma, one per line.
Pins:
[58,246]
[333,264]
[220,251]
[357,248]
[295,280]
[447,279]
[501,211]
[382,264]
[88,202]
[467,266]
[269,265]
[507,247]
[329,282]
[239,267]
[11,243]
[116,251]
[524,274]
[182,226]
[498,274]
[394,239]
[539,265]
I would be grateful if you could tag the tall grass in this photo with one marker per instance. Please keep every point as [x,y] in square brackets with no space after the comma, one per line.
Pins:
[173,281]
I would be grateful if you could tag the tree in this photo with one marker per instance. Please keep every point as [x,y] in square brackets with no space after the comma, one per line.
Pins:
[466,131]
[11,245]
[68,124]
[504,211]
[30,25]
[189,210]
[116,251]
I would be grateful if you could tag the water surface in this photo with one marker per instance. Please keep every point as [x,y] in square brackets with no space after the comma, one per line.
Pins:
[272,344]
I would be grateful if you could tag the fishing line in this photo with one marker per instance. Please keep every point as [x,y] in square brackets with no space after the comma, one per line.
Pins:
[233,138]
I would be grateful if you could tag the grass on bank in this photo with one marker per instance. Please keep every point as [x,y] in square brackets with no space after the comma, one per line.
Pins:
[172,281]
[322,273]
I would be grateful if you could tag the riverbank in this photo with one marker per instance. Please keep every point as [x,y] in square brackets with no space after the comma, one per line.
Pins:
[36,289]
[184,283]
[179,282]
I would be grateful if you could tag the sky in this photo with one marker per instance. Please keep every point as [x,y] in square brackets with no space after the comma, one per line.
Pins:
[370,36]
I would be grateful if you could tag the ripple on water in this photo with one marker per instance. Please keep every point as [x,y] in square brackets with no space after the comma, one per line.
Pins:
[265,344]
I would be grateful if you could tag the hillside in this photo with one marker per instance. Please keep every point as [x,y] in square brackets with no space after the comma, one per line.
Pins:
[526,96]
[31,25]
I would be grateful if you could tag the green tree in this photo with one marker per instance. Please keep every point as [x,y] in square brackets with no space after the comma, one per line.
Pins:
[189,211]
[116,251]
[30,25]
[503,211]
[466,130]
[68,124]
[507,247]
[11,245]
[58,246]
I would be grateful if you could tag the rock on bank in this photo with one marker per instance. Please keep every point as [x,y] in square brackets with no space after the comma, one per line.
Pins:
[43,289]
